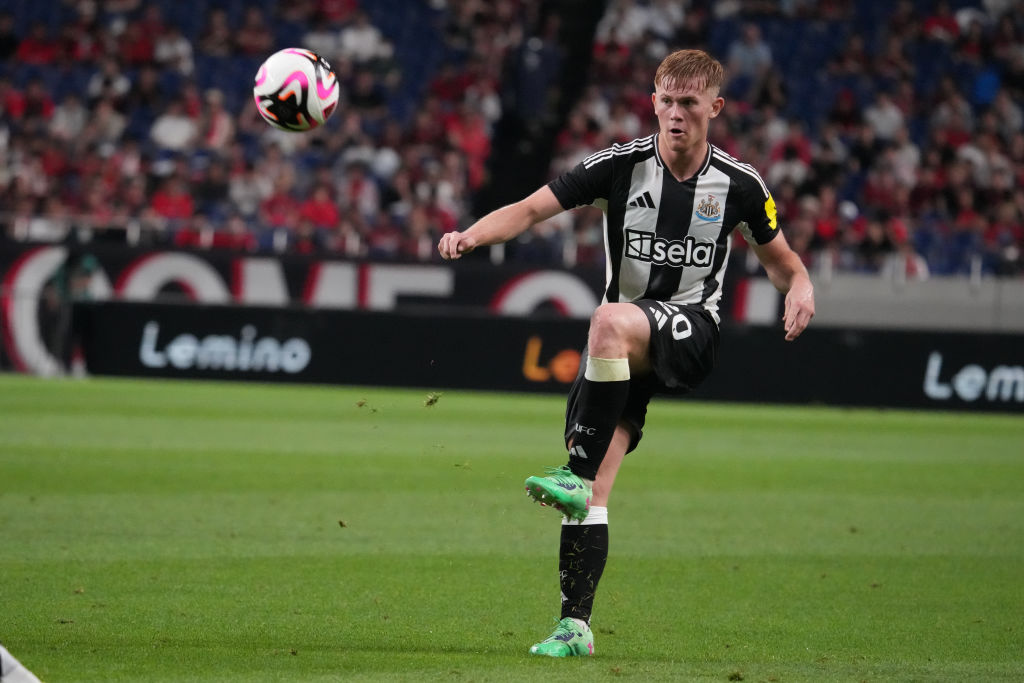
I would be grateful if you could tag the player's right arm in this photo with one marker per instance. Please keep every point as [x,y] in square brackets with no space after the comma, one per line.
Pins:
[501,225]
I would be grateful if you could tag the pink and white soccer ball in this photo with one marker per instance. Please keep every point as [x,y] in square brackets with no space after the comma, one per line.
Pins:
[295,90]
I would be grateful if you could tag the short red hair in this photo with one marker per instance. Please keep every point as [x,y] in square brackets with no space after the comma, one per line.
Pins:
[690,65]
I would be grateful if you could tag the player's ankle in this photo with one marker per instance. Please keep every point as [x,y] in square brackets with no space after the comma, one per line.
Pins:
[584,626]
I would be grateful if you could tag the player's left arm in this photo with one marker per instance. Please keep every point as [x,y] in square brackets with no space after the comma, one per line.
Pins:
[788,273]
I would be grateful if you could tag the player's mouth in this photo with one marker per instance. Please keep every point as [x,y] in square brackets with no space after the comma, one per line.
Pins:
[676,131]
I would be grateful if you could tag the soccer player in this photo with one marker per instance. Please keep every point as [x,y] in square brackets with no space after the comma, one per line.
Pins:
[670,202]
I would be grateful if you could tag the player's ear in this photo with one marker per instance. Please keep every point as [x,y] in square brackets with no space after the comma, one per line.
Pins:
[716,106]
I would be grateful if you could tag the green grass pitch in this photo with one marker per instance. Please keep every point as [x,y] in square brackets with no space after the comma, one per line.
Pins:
[173,531]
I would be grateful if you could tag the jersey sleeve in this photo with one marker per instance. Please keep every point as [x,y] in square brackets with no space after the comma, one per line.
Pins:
[583,184]
[760,223]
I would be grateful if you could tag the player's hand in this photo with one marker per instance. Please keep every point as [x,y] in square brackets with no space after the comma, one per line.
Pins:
[799,309]
[454,244]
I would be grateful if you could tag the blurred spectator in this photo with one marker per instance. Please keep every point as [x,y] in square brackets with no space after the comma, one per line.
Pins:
[467,131]
[903,23]
[367,96]
[875,246]
[135,45]
[386,160]
[69,118]
[174,129]
[851,60]
[211,189]
[83,41]
[1005,40]
[420,243]
[884,117]
[665,18]
[790,168]
[247,190]
[625,22]
[253,38]
[8,38]
[151,20]
[173,51]
[845,112]
[281,208]
[146,96]
[38,47]
[892,64]
[358,191]
[829,154]
[693,31]
[361,41]
[1004,239]
[306,238]
[217,125]
[536,71]
[971,46]
[38,107]
[749,59]
[236,235]
[385,238]
[50,224]
[941,25]
[1009,115]
[322,39]
[622,125]
[105,126]
[217,37]
[118,9]
[450,83]
[320,209]
[173,201]
[108,84]
[336,12]
[905,158]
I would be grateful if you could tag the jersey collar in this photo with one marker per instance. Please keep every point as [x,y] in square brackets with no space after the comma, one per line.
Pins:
[657,152]
[707,161]
[704,167]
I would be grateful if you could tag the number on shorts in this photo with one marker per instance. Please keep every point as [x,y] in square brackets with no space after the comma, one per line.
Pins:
[678,333]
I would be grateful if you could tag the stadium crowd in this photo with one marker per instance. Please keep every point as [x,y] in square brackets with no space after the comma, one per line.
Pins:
[891,135]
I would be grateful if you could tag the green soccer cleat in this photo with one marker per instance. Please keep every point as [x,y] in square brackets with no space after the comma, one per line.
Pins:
[568,640]
[562,490]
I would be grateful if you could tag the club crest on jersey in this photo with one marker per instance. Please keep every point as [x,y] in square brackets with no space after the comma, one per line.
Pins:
[709,209]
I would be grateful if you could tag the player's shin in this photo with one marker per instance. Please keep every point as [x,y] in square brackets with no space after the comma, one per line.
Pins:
[603,395]
[581,560]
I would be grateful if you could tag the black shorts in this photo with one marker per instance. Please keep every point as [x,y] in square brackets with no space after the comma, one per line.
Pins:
[683,351]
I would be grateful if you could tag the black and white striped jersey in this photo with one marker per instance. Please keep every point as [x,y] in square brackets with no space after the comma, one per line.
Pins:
[665,239]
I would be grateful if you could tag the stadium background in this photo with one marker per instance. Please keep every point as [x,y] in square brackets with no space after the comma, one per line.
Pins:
[890,134]
[163,530]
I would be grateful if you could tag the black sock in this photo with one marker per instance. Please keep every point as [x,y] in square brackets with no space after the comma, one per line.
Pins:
[599,407]
[581,559]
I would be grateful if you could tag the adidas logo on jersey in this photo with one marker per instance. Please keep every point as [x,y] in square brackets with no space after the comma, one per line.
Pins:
[643,201]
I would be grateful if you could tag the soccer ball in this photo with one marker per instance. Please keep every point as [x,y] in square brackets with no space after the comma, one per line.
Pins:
[295,90]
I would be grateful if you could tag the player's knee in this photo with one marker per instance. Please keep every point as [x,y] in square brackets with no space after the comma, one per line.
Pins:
[610,330]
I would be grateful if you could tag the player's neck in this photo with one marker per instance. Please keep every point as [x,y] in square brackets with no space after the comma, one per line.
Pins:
[683,164]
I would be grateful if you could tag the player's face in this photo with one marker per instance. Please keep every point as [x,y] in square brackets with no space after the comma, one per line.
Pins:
[684,110]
